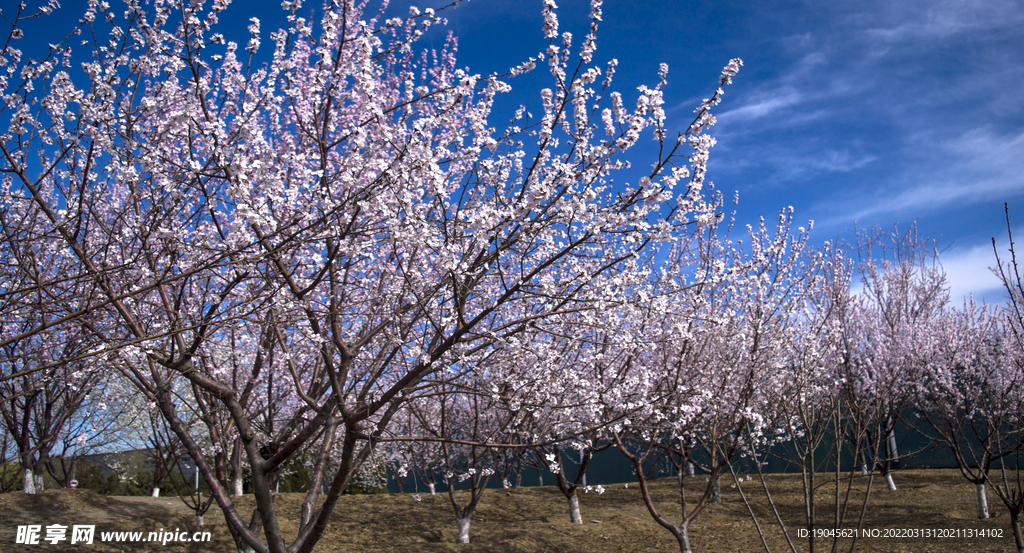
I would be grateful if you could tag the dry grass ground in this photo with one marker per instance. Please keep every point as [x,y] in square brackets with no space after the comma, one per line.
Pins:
[536,519]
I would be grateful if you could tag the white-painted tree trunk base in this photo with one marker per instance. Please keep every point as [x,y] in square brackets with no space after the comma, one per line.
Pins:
[716,493]
[690,470]
[28,483]
[982,502]
[684,541]
[432,488]
[889,482]
[236,487]
[463,530]
[863,470]
[574,509]
[155,493]
[39,482]
[505,483]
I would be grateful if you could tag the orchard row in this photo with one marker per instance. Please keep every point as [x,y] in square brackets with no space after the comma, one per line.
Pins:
[322,248]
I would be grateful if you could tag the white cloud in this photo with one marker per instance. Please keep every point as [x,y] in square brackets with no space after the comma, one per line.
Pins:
[967,273]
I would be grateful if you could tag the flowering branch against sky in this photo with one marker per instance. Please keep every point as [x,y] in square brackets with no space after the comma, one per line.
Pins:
[852,112]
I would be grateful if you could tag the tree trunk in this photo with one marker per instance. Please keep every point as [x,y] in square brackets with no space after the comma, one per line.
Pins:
[893,451]
[199,520]
[889,481]
[236,485]
[1018,537]
[155,492]
[809,488]
[505,483]
[433,490]
[716,493]
[684,539]
[690,471]
[28,483]
[39,482]
[519,478]
[574,508]
[463,530]
[982,501]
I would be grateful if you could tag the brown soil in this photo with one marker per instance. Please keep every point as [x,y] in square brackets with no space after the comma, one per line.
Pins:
[536,519]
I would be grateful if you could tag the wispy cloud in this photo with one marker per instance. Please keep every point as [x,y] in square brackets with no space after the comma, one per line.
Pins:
[978,166]
[785,100]
[923,21]
[883,111]
[765,105]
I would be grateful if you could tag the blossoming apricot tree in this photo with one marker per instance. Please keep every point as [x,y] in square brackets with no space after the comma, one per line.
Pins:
[347,205]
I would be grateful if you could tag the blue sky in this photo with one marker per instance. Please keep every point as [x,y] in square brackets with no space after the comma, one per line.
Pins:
[868,112]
